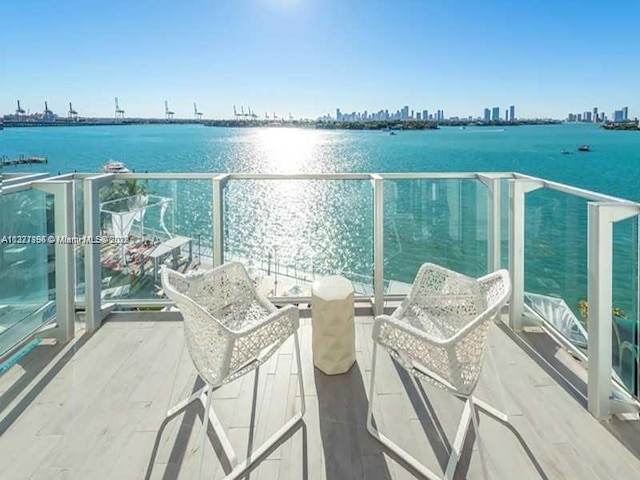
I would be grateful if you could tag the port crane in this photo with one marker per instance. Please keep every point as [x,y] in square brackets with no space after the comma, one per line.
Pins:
[196,113]
[119,111]
[73,115]
[168,114]
[46,109]
[20,110]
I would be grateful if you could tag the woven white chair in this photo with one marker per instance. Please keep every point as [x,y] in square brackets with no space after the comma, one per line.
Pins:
[438,334]
[230,330]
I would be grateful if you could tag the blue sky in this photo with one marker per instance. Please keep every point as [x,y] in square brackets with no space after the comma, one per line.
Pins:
[308,57]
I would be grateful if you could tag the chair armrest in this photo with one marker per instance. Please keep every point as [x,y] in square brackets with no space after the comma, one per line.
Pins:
[260,341]
[382,321]
[288,314]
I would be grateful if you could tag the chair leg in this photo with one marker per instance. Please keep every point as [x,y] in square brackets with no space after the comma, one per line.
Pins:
[239,469]
[186,402]
[385,440]
[259,452]
[485,472]
[219,429]
[303,402]
[467,418]
[205,427]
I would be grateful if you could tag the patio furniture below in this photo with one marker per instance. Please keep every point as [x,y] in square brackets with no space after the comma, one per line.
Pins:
[169,247]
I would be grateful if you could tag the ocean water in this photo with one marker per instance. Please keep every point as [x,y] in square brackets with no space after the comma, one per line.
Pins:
[611,167]
[326,227]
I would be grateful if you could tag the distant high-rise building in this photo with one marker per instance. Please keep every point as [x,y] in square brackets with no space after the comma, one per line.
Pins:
[506,115]
[618,116]
[495,114]
[338,115]
[418,116]
[425,114]
[487,115]
[625,114]
[587,117]
[512,113]
[404,115]
[579,117]
[595,115]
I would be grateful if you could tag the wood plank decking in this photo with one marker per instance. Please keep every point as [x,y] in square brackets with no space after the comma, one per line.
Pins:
[95,410]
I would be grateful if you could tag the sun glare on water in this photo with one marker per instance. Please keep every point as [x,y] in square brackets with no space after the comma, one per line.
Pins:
[286,150]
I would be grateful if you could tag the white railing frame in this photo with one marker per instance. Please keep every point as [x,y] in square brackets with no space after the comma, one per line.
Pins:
[94,313]
[62,192]
[518,188]
[378,243]
[601,218]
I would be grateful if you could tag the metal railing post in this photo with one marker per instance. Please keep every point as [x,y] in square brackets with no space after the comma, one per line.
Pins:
[64,261]
[601,217]
[92,270]
[517,190]
[378,243]
[218,219]
[494,242]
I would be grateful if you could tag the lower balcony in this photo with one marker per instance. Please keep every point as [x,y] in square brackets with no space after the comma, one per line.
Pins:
[95,408]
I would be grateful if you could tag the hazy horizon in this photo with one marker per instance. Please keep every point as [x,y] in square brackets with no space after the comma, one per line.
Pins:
[309,58]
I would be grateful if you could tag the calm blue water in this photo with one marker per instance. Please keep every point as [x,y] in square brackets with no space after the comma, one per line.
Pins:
[326,226]
[611,167]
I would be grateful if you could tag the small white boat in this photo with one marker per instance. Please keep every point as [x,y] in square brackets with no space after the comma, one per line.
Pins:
[112,166]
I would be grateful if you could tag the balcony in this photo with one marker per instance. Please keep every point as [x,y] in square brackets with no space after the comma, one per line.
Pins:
[89,375]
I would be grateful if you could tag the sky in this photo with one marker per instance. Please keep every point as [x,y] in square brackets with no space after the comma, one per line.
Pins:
[309,57]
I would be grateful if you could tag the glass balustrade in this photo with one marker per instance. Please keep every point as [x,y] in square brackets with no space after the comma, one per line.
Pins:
[148,223]
[288,232]
[442,221]
[27,280]
[626,350]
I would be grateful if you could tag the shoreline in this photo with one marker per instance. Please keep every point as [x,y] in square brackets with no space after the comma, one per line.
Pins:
[312,124]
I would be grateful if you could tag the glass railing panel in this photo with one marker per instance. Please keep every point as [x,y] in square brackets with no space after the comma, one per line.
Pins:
[625,348]
[78,251]
[504,223]
[153,223]
[439,221]
[287,232]
[27,278]
[556,261]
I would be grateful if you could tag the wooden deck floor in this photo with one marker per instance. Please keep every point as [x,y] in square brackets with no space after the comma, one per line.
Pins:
[95,410]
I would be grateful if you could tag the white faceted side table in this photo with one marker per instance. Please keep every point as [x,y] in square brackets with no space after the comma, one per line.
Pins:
[333,330]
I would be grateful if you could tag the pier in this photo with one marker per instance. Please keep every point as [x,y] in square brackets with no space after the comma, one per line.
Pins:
[21,160]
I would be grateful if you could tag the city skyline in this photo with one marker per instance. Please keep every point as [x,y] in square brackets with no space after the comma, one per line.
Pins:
[494,113]
[303,57]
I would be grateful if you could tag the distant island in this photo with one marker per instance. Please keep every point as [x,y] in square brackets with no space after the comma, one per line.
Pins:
[10,121]
[630,125]
[370,125]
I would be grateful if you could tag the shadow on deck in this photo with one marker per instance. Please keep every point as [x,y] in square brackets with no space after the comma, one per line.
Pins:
[96,409]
